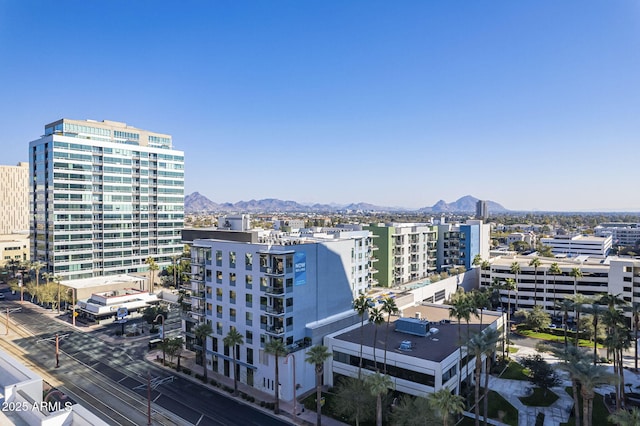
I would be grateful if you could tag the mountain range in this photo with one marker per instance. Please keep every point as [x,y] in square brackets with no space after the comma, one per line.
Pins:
[198,203]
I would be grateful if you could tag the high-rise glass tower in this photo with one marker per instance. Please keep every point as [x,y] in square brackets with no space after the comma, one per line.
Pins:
[104,198]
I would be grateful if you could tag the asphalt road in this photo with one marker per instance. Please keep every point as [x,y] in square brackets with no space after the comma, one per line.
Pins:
[113,379]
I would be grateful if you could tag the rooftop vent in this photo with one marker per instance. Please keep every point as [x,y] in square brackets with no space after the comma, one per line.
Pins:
[417,314]
[406,345]
[413,326]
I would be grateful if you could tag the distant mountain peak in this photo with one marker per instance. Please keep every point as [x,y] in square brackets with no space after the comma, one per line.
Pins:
[198,203]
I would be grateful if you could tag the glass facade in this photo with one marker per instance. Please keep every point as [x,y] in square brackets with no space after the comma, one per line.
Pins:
[101,208]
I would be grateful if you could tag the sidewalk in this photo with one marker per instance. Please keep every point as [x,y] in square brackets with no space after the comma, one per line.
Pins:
[305,417]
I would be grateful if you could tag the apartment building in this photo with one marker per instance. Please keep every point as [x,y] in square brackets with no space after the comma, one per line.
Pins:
[578,245]
[105,197]
[404,252]
[296,287]
[458,244]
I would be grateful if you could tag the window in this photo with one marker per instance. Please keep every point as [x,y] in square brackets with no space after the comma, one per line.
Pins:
[219,277]
[232,278]
[218,293]
[219,311]
[232,259]
[248,260]
[218,257]
[249,300]
[249,319]
[249,356]
[248,281]
[232,314]
[248,337]
[232,296]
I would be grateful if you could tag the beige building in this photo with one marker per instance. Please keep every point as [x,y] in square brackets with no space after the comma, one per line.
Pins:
[14,247]
[14,198]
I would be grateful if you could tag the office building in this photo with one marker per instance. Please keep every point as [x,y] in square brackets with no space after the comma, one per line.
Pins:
[14,199]
[296,287]
[404,252]
[482,210]
[622,234]
[423,351]
[105,197]
[578,245]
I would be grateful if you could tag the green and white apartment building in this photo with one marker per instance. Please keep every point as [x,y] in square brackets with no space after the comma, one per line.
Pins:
[104,197]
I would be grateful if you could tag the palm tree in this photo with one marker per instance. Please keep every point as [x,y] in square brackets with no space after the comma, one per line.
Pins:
[491,337]
[515,270]
[510,284]
[554,270]
[37,266]
[480,301]
[232,340]
[594,310]
[389,307]
[276,348]
[361,306]
[378,385]
[535,262]
[485,265]
[565,305]
[576,273]
[578,301]
[477,260]
[201,332]
[352,401]
[590,376]
[618,339]
[478,345]
[458,310]
[446,403]
[572,357]
[317,356]
[377,318]
[153,266]
[635,309]
[626,417]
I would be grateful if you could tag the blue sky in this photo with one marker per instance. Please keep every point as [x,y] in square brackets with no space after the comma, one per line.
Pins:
[533,104]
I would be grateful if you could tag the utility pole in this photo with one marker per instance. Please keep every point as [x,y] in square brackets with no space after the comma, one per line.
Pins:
[57,338]
[9,311]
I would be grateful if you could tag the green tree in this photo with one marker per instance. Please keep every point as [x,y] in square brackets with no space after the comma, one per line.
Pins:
[536,319]
[635,313]
[481,301]
[361,306]
[202,332]
[572,357]
[153,267]
[576,273]
[624,417]
[509,285]
[541,375]
[150,313]
[446,404]
[565,306]
[317,356]
[515,270]
[390,308]
[477,260]
[579,301]
[458,309]
[594,309]
[278,349]
[591,376]
[354,401]
[481,344]
[554,270]
[232,340]
[376,317]
[378,385]
[413,412]
[535,262]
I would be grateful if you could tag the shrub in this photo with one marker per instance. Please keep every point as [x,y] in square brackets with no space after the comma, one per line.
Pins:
[186,371]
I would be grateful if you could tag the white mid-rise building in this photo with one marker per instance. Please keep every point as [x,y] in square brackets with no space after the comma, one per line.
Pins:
[295,287]
[105,197]
[623,234]
[578,245]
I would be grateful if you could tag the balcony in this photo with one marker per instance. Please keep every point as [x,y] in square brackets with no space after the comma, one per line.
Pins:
[198,311]
[277,311]
[275,331]
[274,271]
[198,295]
[188,317]
[275,291]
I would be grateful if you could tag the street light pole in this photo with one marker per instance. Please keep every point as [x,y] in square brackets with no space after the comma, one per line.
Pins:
[295,411]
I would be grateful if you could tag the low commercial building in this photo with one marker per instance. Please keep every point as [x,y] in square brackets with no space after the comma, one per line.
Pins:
[107,305]
[623,234]
[422,349]
[14,247]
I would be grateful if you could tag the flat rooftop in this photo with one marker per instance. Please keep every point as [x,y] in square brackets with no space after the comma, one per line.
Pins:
[102,281]
[435,347]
